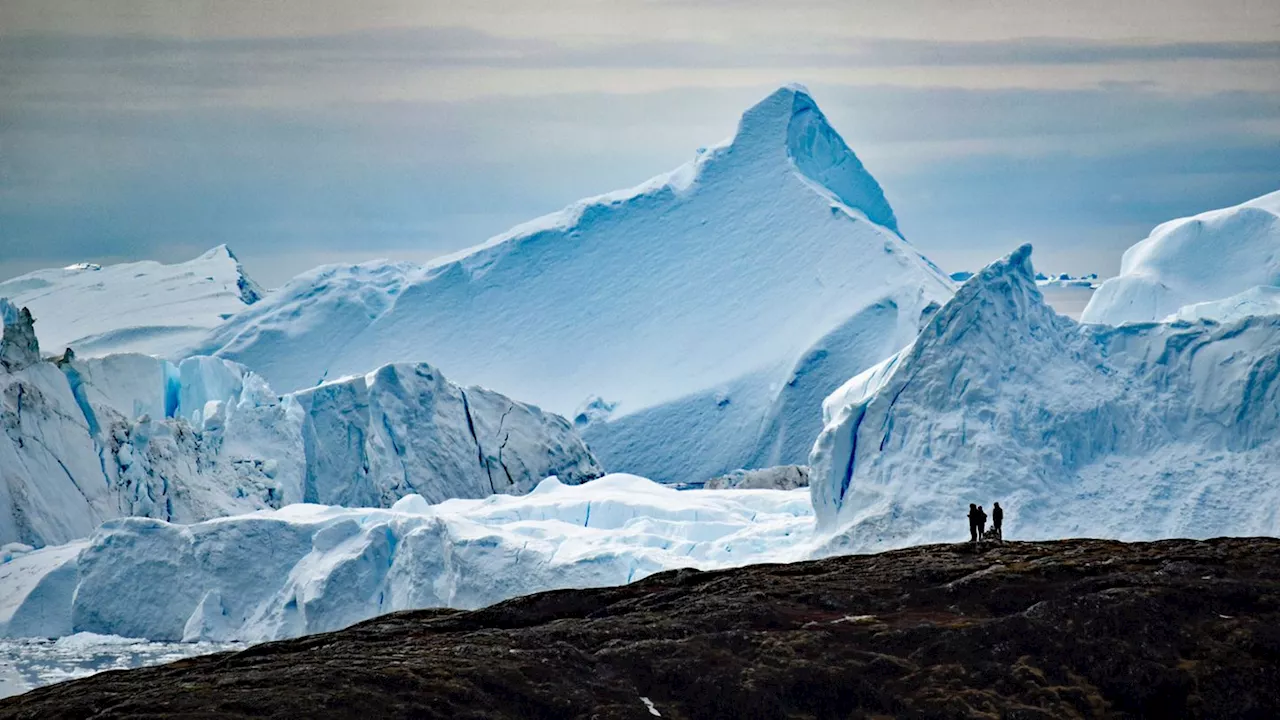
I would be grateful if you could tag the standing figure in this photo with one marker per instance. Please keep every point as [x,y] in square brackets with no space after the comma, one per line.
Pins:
[973,522]
[982,523]
[997,521]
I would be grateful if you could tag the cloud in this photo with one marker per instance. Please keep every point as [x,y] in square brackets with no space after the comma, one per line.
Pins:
[742,21]
[467,47]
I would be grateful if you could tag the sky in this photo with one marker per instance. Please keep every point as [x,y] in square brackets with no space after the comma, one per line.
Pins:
[302,133]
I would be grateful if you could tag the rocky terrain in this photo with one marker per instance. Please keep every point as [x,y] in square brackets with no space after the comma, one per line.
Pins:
[1076,628]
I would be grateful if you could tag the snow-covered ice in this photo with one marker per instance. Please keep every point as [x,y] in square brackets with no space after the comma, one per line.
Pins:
[1214,256]
[710,309]
[1134,432]
[309,568]
[142,307]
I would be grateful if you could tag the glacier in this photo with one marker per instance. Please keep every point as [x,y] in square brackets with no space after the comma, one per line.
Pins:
[89,439]
[1226,262]
[310,568]
[142,307]
[701,317]
[1131,432]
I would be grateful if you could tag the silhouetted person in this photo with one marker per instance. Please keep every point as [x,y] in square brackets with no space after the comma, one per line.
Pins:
[997,520]
[982,523]
[973,522]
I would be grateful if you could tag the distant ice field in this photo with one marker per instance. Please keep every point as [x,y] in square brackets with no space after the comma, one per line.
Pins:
[1069,300]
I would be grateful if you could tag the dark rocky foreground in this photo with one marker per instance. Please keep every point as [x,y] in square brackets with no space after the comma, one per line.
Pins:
[1078,628]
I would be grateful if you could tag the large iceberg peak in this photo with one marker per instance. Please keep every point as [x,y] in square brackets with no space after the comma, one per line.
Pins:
[222,251]
[712,307]
[789,120]
[250,291]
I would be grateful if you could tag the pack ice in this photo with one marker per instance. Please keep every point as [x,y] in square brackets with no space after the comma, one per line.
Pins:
[90,439]
[1221,265]
[692,324]
[311,568]
[142,307]
[1134,432]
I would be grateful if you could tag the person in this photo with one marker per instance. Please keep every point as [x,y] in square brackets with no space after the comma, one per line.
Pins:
[997,521]
[982,523]
[973,522]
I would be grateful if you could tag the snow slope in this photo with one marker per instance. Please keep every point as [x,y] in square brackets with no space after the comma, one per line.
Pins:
[726,297]
[1208,257]
[310,568]
[142,307]
[90,439]
[1133,432]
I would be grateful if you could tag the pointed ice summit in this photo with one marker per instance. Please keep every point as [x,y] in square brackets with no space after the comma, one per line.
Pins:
[712,307]
[1131,432]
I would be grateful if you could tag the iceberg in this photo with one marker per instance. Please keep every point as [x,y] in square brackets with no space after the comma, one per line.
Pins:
[1134,432]
[1219,255]
[86,440]
[142,307]
[310,568]
[700,317]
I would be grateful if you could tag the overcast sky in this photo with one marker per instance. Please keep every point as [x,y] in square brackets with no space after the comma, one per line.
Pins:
[321,131]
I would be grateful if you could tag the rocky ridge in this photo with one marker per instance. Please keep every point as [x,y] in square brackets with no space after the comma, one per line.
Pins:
[1073,628]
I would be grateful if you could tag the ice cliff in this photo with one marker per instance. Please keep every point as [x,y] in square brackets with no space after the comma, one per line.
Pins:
[86,440]
[18,345]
